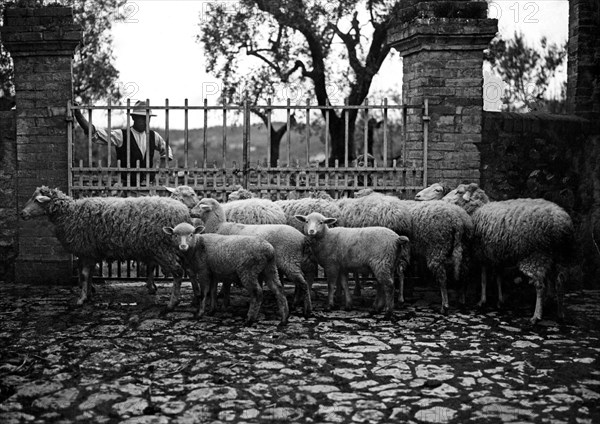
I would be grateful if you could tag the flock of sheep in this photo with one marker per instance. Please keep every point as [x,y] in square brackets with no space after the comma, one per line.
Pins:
[253,241]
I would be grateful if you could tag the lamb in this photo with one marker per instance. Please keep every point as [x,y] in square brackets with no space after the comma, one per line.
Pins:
[371,249]
[535,234]
[247,259]
[292,253]
[114,228]
[304,206]
[438,231]
[185,194]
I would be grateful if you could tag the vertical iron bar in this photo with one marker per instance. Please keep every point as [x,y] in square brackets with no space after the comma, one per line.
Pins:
[307,132]
[269,138]
[185,135]
[224,154]
[69,148]
[425,136]
[385,140]
[366,134]
[91,125]
[204,144]
[327,112]
[128,147]
[289,135]
[167,141]
[148,142]
[346,135]
[245,145]
[405,133]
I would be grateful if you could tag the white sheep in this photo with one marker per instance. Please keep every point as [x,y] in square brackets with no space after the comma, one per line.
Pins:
[113,228]
[435,191]
[341,250]
[254,211]
[438,231]
[292,253]
[247,259]
[306,205]
[534,234]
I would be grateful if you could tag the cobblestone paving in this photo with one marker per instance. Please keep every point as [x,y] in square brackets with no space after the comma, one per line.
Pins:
[120,359]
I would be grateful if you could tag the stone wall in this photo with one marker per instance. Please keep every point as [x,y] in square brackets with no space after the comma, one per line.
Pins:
[555,157]
[8,195]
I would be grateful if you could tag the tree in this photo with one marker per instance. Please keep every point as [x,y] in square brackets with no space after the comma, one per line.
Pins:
[94,75]
[526,71]
[321,47]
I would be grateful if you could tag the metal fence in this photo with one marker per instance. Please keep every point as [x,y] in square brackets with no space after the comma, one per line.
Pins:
[235,151]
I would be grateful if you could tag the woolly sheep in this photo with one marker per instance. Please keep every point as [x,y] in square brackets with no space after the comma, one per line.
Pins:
[534,234]
[254,211]
[240,194]
[113,228]
[438,231]
[185,194]
[341,250]
[247,259]
[292,253]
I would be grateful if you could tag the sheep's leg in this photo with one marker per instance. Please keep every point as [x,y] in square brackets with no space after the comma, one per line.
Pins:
[399,294]
[86,275]
[499,287]
[559,291]
[175,293]
[483,299]
[303,290]
[343,279]
[388,293]
[226,293]
[272,280]
[256,296]
[536,268]
[332,278]
[440,276]
[357,287]
[150,285]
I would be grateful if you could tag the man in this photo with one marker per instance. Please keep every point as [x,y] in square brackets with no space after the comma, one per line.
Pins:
[140,144]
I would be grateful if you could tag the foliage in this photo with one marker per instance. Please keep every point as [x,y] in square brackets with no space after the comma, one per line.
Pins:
[328,50]
[526,71]
[94,76]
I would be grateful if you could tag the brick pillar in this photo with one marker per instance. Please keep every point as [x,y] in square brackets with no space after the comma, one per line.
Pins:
[583,64]
[442,47]
[41,41]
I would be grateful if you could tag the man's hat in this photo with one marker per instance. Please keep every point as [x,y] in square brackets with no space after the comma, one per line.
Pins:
[140,108]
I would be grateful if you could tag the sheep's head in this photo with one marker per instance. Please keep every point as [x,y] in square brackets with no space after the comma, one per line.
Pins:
[240,194]
[185,194]
[315,224]
[435,191]
[182,236]
[204,208]
[468,196]
[37,205]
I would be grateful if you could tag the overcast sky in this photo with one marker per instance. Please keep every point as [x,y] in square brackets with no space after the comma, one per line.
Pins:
[158,57]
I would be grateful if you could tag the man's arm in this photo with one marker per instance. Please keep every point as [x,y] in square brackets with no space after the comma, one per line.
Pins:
[98,136]
[161,146]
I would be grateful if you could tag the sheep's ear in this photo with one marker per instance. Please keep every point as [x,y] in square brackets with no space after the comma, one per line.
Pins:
[467,196]
[170,189]
[42,198]
[168,230]
[330,221]
[472,187]
[199,229]
[403,240]
[300,218]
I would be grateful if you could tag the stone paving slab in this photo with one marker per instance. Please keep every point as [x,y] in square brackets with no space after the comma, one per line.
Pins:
[121,359]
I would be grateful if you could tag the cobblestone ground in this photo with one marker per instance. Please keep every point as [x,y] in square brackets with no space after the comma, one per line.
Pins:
[120,359]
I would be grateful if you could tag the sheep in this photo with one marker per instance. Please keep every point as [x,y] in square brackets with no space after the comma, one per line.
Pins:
[438,231]
[243,258]
[97,228]
[371,249]
[435,191]
[535,234]
[292,253]
[240,194]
